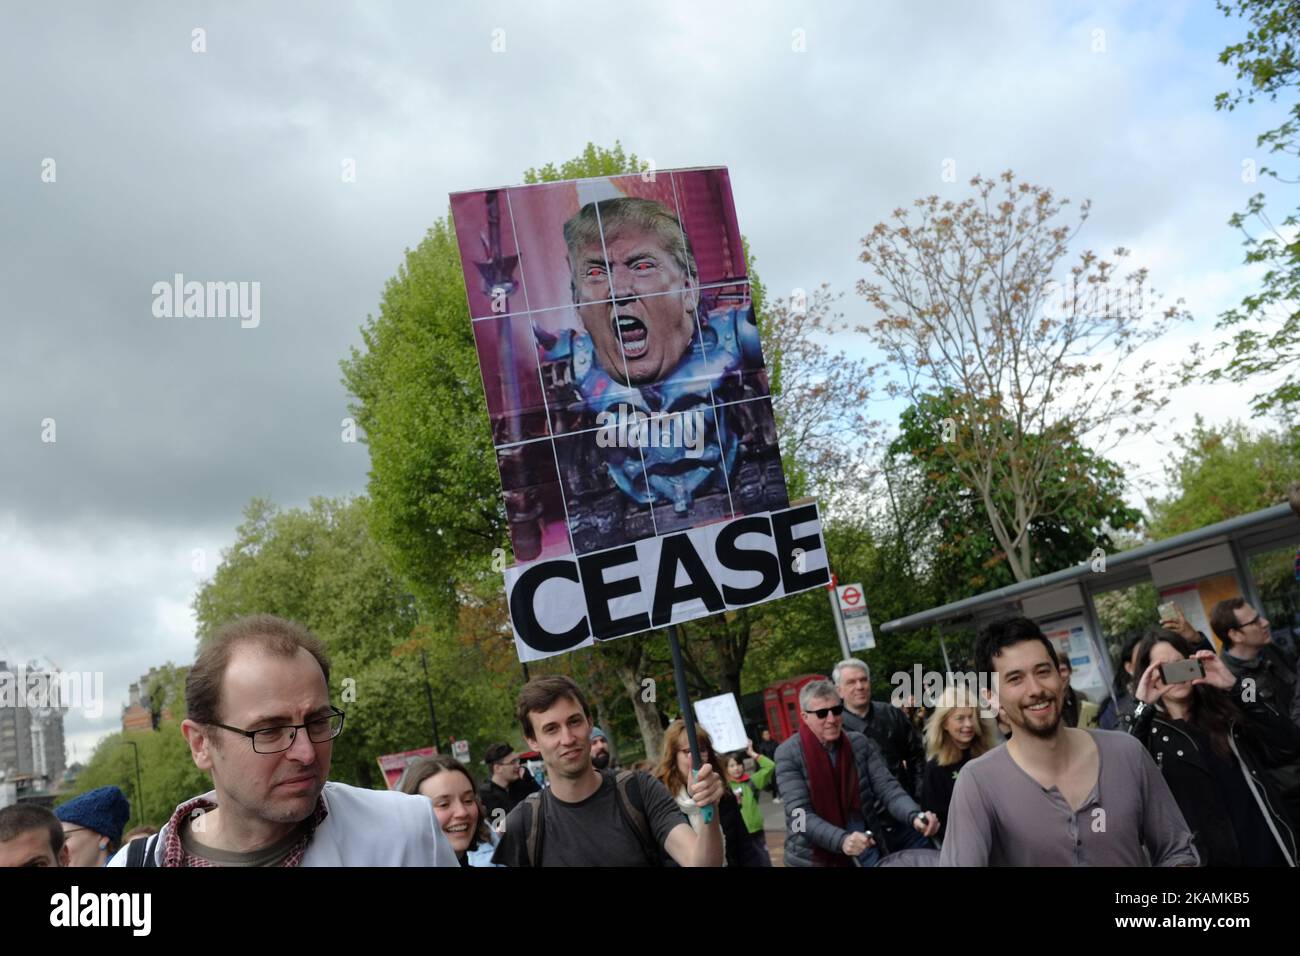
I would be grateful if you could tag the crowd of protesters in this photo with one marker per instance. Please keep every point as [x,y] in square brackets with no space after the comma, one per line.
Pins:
[1194,759]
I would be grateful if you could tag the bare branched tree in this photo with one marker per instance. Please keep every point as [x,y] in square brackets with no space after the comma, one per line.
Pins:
[975,304]
[821,397]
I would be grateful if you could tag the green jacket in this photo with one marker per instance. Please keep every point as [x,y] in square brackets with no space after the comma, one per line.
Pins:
[746,792]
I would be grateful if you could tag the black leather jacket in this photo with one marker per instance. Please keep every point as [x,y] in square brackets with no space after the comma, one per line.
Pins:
[1274,674]
[897,740]
[1189,776]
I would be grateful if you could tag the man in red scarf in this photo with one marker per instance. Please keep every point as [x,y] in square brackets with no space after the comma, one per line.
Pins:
[834,776]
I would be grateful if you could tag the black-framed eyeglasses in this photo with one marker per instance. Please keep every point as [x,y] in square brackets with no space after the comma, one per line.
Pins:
[821,712]
[274,740]
[1242,627]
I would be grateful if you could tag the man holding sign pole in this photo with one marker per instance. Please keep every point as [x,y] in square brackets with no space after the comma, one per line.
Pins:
[589,817]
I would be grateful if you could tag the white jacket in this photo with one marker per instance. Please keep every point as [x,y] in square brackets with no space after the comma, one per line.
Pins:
[365,828]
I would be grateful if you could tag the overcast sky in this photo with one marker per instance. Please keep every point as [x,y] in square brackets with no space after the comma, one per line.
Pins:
[226,165]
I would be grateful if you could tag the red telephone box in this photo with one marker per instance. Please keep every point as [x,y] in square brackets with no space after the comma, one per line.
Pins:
[781,705]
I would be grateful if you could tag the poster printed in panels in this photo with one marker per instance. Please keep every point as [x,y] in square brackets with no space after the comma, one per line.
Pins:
[629,407]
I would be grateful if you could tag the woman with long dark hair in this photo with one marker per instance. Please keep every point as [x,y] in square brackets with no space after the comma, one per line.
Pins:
[1212,744]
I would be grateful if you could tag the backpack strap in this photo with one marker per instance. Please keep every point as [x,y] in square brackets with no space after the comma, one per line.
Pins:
[141,852]
[631,804]
[533,838]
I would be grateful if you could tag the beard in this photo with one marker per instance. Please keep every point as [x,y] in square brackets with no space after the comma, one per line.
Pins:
[600,761]
[1039,730]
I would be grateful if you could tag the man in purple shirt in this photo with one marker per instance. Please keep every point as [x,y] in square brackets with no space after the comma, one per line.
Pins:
[1054,795]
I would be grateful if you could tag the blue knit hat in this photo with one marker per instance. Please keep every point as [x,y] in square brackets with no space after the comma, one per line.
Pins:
[105,811]
[597,732]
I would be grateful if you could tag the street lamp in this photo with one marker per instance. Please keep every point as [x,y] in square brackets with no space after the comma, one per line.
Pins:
[139,786]
[401,651]
[428,694]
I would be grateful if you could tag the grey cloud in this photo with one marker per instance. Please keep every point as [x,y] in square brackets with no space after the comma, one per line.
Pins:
[226,166]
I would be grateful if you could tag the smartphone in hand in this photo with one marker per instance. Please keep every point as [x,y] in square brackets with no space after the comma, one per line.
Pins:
[1179,672]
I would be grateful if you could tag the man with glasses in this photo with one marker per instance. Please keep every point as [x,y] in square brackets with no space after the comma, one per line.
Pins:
[93,824]
[259,719]
[830,779]
[1249,652]
[509,783]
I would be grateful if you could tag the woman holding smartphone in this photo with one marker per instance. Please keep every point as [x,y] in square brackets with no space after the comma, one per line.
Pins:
[1213,750]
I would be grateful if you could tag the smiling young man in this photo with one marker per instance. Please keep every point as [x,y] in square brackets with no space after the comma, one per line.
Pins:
[1054,795]
[259,720]
[590,817]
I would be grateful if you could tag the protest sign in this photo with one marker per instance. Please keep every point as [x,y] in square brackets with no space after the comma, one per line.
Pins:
[629,407]
[392,766]
[720,716]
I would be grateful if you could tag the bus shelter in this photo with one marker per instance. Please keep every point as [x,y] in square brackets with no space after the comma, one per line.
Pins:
[1254,555]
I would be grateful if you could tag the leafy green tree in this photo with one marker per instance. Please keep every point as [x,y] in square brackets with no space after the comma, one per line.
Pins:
[1266,338]
[322,567]
[592,161]
[168,776]
[1126,611]
[1223,471]
[1079,502]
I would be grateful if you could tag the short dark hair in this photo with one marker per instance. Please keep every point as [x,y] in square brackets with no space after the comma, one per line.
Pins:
[541,693]
[272,635]
[21,818]
[1005,632]
[1224,618]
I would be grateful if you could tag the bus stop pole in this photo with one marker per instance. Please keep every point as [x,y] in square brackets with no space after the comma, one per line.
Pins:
[839,621]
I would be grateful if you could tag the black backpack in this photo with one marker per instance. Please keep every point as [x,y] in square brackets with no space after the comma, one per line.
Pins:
[631,806]
[141,852]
